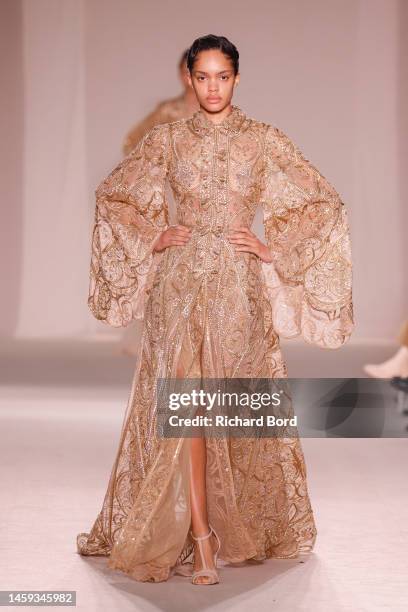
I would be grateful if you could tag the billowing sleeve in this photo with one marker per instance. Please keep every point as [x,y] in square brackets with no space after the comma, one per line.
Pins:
[130,214]
[309,282]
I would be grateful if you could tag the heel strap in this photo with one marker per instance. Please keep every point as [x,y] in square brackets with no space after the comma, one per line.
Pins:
[199,538]
[211,573]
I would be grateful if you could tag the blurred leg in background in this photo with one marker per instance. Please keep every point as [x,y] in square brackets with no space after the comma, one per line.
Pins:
[397,365]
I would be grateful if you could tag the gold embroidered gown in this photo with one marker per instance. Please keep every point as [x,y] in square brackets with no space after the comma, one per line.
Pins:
[210,311]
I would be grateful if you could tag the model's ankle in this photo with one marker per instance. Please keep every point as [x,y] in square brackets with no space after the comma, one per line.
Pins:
[201,530]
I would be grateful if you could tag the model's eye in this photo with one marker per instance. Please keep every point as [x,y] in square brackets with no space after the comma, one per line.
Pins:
[200,78]
[225,77]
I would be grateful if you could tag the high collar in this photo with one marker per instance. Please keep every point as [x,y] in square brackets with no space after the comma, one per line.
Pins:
[233,123]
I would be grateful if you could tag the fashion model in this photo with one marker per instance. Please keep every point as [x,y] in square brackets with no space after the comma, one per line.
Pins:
[214,300]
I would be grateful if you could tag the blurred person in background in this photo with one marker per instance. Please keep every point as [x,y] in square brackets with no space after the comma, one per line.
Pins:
[395,366]
[179,107]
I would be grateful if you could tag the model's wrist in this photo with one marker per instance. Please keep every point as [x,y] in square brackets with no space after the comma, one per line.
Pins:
[265,254]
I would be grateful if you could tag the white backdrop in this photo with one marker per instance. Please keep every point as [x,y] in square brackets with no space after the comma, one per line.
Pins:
[55,200]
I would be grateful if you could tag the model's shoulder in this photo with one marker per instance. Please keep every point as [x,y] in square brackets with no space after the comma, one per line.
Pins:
[160,130]
[163,132]
[256,123]
[157,135]
[265,127]
[275,135]
[262,127]
[179,122]
[178,125]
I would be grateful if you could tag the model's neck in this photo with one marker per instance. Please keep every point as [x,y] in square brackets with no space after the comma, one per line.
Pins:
[217,117]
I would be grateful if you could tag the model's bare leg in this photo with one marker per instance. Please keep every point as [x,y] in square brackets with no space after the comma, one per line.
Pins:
[198,496]
[198,500]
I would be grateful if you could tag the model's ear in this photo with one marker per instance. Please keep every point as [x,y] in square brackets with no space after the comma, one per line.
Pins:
[237,77]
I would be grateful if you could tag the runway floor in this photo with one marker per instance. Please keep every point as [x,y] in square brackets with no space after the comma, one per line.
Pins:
[61,420]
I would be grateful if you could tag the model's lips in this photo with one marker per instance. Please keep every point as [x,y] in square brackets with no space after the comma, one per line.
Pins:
[214,99]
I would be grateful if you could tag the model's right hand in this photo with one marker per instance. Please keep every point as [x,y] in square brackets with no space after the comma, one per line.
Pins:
[175,235]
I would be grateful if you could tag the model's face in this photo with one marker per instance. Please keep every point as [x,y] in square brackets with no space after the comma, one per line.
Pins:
[213,79]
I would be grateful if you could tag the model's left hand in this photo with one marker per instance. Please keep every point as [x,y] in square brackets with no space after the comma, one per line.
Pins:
[247,241]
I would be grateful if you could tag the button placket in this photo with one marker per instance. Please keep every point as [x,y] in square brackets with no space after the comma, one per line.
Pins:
[222,169]
[206,174]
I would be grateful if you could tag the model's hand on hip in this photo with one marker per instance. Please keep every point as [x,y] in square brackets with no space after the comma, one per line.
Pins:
[245,240]
[175,235]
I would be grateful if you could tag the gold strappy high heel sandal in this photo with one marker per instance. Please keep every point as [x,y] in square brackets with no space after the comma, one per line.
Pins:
[207,571]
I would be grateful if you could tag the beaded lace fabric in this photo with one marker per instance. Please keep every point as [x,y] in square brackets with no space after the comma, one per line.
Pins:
[209,311]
